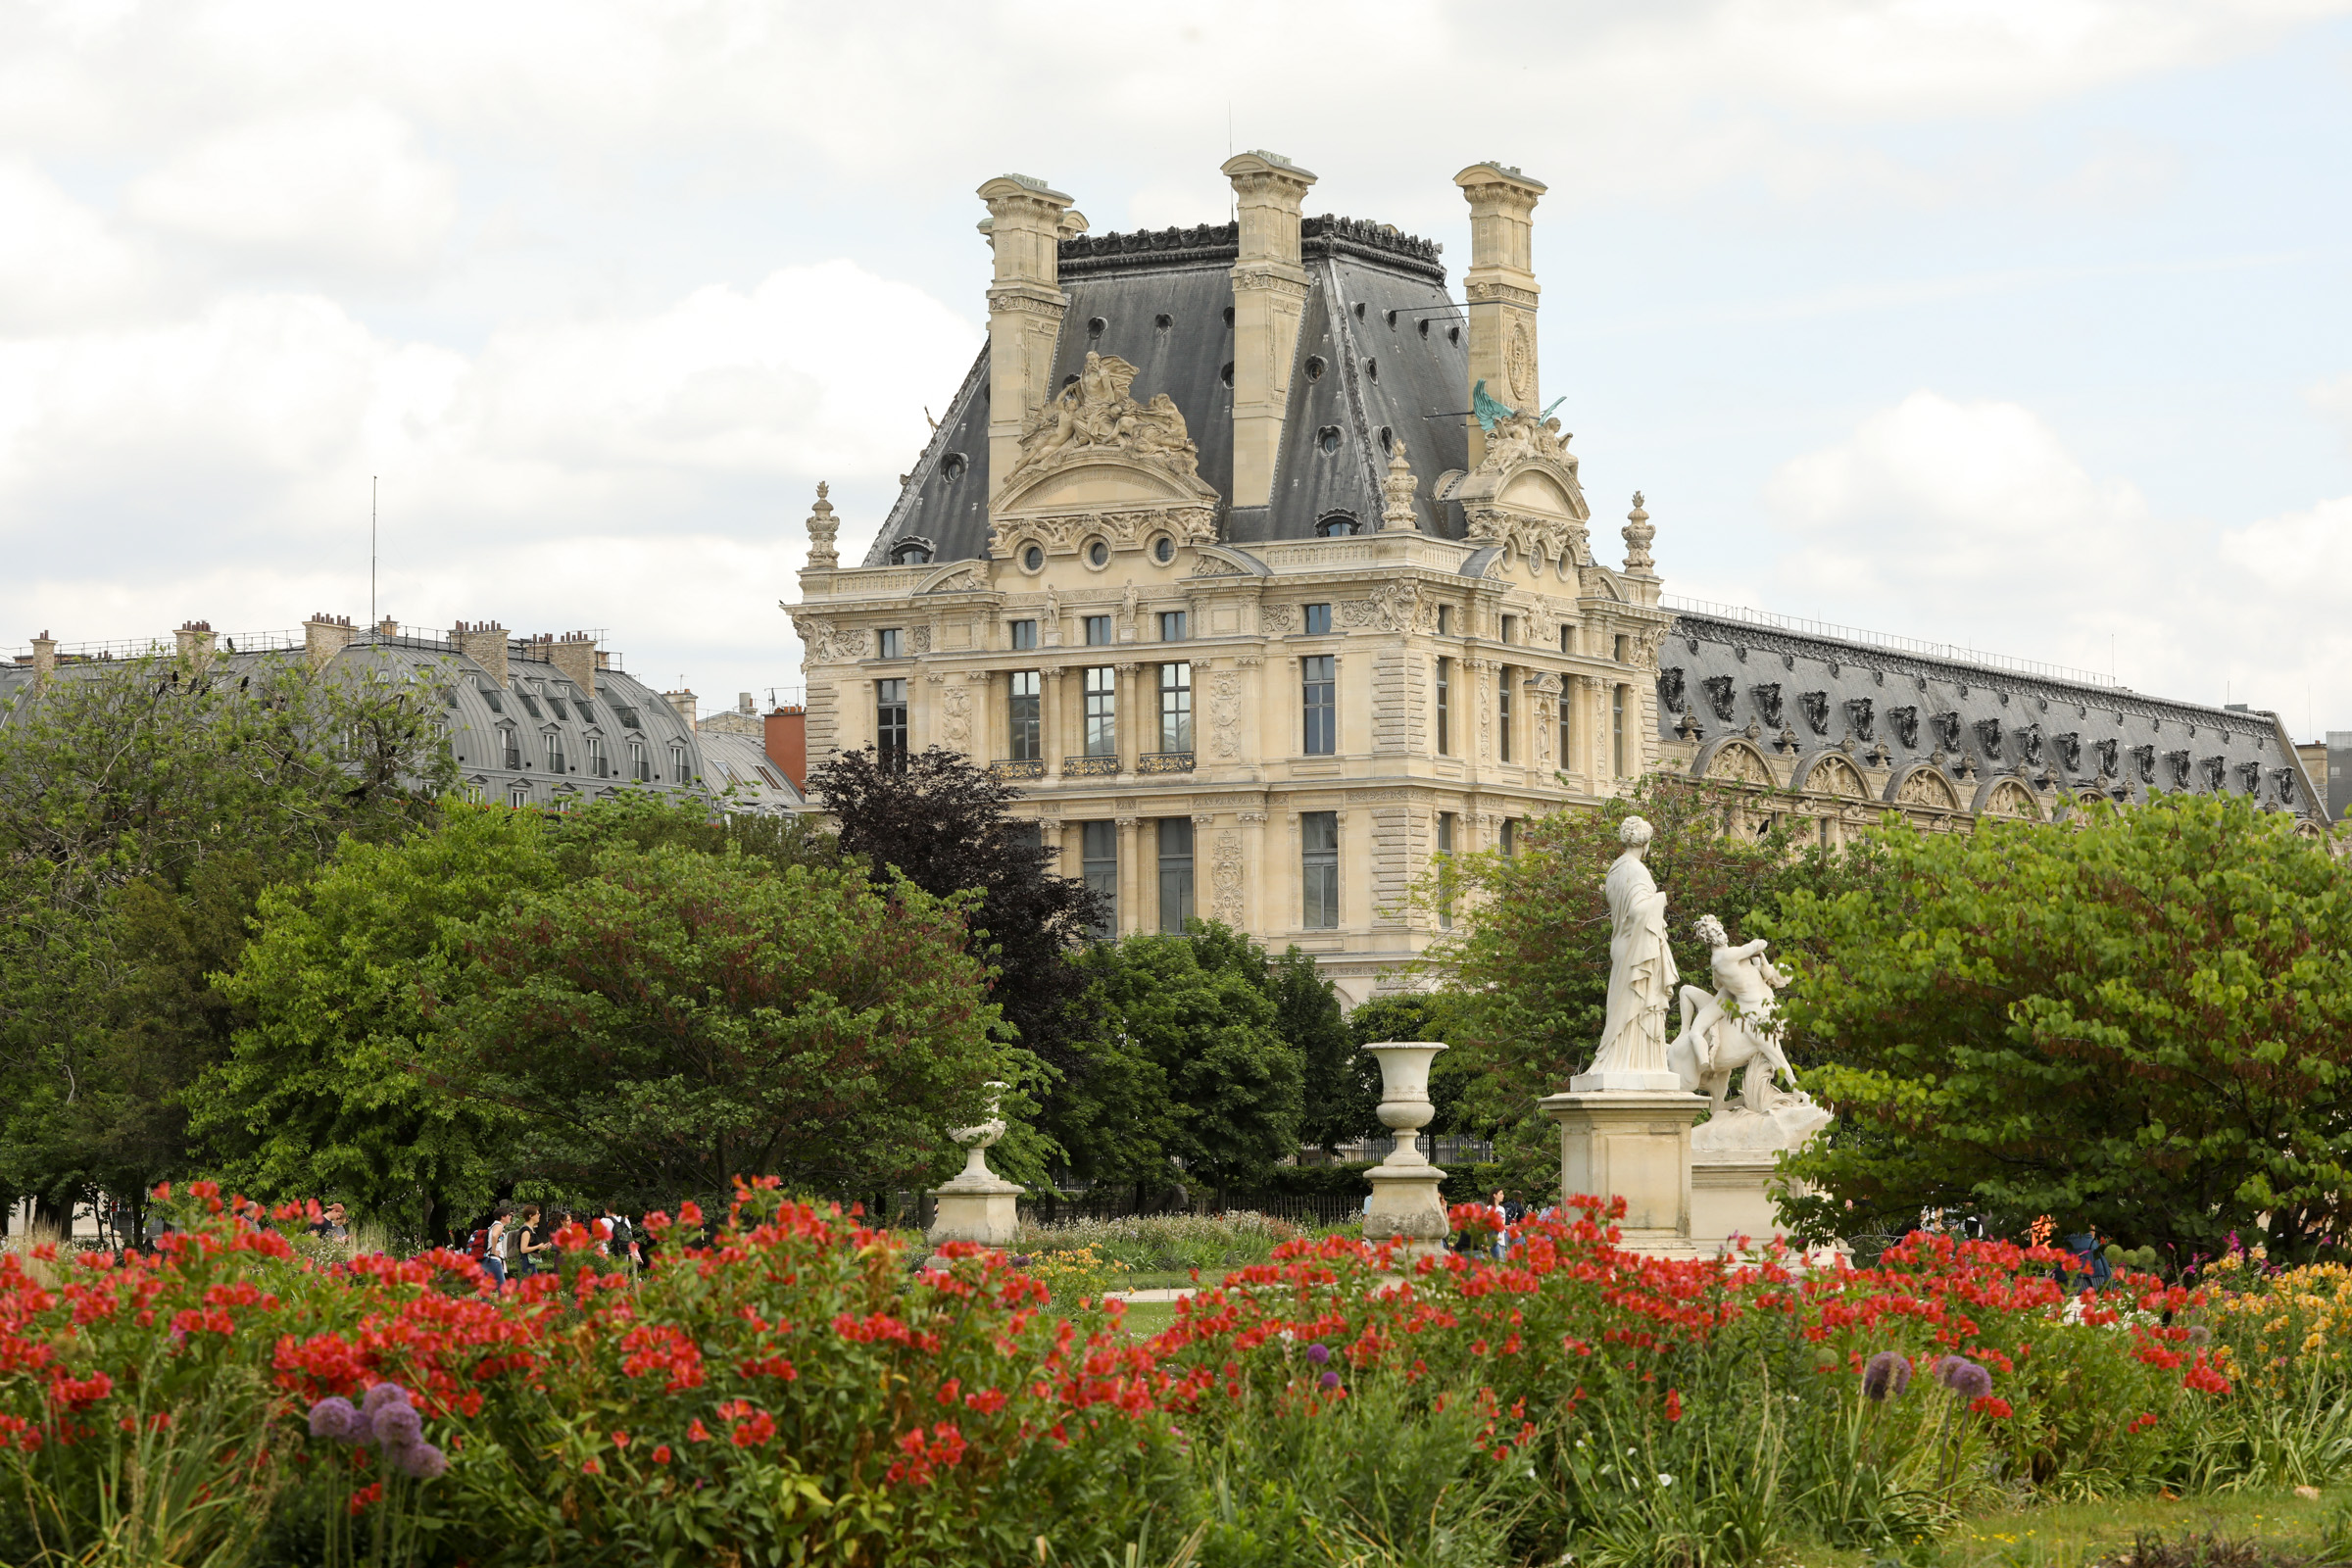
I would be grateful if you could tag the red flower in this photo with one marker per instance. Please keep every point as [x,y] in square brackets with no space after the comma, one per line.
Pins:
[662,1454]
[621,1440]
[1674,1405]
[696,1432]
[366,1495]
[1990,1405]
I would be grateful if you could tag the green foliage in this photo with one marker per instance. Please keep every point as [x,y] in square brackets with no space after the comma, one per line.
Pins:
[1190,1043]
[325,1090]
[1529,955]
[1307,1015]
[144,806]
[2138,1021]
[674,1017]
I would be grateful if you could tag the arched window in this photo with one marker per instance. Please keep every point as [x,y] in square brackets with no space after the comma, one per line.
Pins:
[1337,528]
[910,553]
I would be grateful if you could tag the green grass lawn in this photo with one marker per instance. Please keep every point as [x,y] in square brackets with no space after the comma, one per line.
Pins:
[1146,1318]
[2075,1535]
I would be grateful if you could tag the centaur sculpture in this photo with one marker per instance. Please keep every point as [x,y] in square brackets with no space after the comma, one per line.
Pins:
[1736,1028]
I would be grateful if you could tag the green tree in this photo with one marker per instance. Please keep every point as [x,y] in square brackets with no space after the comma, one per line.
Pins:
[325,1092]
[1308,1017]
[1526,963]
[144,805]
[1200,1067]
[676,1018]
[1415,1015]
[2139,1020]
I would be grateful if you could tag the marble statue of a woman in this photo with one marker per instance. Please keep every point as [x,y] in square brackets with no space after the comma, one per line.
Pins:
[1641,976]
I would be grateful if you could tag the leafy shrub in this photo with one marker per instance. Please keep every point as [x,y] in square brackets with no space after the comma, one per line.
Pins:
[1160,1243]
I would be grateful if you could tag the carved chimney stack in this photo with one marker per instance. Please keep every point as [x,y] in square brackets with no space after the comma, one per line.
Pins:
[485,643]
[1269,295]
[1500,289]
[1025,222]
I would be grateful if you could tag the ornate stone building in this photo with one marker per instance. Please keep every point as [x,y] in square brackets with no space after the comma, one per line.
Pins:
[1259,562]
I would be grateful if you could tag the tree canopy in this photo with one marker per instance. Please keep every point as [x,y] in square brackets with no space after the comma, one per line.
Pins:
[2139,1020]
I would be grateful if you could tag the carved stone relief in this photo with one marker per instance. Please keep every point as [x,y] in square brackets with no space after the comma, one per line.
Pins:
[955,717]
[1904,722]
[1768,703]
[1225,878]
[1093,417]
[1225,715]
[1815,706]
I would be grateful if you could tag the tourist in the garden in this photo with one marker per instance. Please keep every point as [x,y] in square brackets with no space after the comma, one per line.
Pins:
[524,1244]
[494,1242]
[1503,1223]
[620,1235]
[332,1225]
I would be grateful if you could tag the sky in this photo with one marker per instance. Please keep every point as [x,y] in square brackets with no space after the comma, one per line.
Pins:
[2020,325]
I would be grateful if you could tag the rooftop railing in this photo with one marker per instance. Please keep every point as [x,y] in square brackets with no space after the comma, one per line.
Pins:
[1953,652]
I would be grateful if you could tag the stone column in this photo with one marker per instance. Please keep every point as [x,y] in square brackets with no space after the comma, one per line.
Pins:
[1130,715]
[1129,895]
[1051,732]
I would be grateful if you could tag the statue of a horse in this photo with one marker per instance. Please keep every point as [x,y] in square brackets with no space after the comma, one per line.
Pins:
[1725,1044]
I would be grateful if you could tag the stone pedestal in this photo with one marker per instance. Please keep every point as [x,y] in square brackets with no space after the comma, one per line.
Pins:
[978,1205]
[1406,1205]
[1635,1145]
[1732,1196]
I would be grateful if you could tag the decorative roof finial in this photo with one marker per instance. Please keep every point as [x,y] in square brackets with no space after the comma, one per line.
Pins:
[822,526]
[1637,535]
[1398,488]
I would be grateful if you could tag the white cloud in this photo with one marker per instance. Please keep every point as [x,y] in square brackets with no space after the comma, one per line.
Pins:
[61,264]
[346,187]
[1975,523]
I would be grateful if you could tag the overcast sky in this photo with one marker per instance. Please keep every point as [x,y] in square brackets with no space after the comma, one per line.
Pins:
[2026,325]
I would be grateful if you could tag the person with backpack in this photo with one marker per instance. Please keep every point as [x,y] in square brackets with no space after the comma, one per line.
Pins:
[620,1238]
[493,1254]
[524,1244]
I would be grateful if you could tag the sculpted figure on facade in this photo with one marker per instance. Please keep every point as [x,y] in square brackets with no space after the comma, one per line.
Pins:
[1095,415]
[1641,972]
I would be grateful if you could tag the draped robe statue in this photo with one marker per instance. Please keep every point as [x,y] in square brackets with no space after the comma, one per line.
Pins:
[1641,972]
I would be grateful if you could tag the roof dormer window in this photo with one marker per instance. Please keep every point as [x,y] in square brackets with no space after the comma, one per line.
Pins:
[910,553]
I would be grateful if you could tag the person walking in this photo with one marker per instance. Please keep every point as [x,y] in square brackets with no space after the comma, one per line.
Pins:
[524,1244]
[494,1244]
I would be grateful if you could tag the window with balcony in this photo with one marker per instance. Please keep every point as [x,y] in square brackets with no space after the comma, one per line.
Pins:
[677,758]
[1319,869]
[890,724]
[1175,707]
[1175,872]
[511,745]
[1025,709]
[596,757]
[1101,698]
[639,769]
[555,751]
[1318,687]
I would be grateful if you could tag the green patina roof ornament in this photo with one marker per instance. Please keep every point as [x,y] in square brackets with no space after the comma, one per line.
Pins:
[1488,409]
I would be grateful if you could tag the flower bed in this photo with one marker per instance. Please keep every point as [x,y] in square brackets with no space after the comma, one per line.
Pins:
[781,1383]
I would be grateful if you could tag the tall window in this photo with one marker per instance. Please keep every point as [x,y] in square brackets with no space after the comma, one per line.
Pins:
[1618,645]
[1175,872]
[1445,821]
[639,769]
[1617,729]
[1318,621]
[1172,626]
[1445,707]
[1502,713]
[888,642]
[1102,711]
[1097,630]
[889,725]
[1511,628]
[512,744]
[1024,635]
[1319,869]
[678,749]
[1567,726]
[1510,837]
[1176,707]
[596,758]
[1567,639]
[1445,620]
[555,751]
[1099,866]
[1318,679]
[1028,717]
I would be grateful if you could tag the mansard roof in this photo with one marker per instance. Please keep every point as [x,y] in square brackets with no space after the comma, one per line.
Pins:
[1791,690]
[1381,357]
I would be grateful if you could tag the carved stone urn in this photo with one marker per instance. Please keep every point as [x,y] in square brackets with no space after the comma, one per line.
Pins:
[1405,1205]
[978,1205]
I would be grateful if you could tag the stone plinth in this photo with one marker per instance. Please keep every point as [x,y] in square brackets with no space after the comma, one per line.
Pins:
[1633,1144]
[987,1213]
[1405,1205]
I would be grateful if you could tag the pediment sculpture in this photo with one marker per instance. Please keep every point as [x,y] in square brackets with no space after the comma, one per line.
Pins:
[1095,418]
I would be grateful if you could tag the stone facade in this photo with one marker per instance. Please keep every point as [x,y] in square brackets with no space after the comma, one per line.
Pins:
[1258,561]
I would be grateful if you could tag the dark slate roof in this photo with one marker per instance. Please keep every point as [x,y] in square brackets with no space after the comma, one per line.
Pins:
[1723,671]
[1365,369]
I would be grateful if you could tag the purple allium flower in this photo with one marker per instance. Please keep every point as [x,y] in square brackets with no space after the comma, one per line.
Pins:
[421,1461]
[1331,1380]
[333,1417]
[1319,1354]
[1964,1377]
[2199,1334]
[1886,1376]
[398,1426]
[381,1394]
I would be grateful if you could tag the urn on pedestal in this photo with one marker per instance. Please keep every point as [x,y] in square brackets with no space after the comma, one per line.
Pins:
[978,1205]
[1406,1203]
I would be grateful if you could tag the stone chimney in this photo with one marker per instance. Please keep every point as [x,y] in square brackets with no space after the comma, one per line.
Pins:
[787,742]
[196,642]
[574,654]
[743,703]
[485,643]
[44,659]
[1025,306]
[323,636]
[1269,295]
[1500,289]
[683,701]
